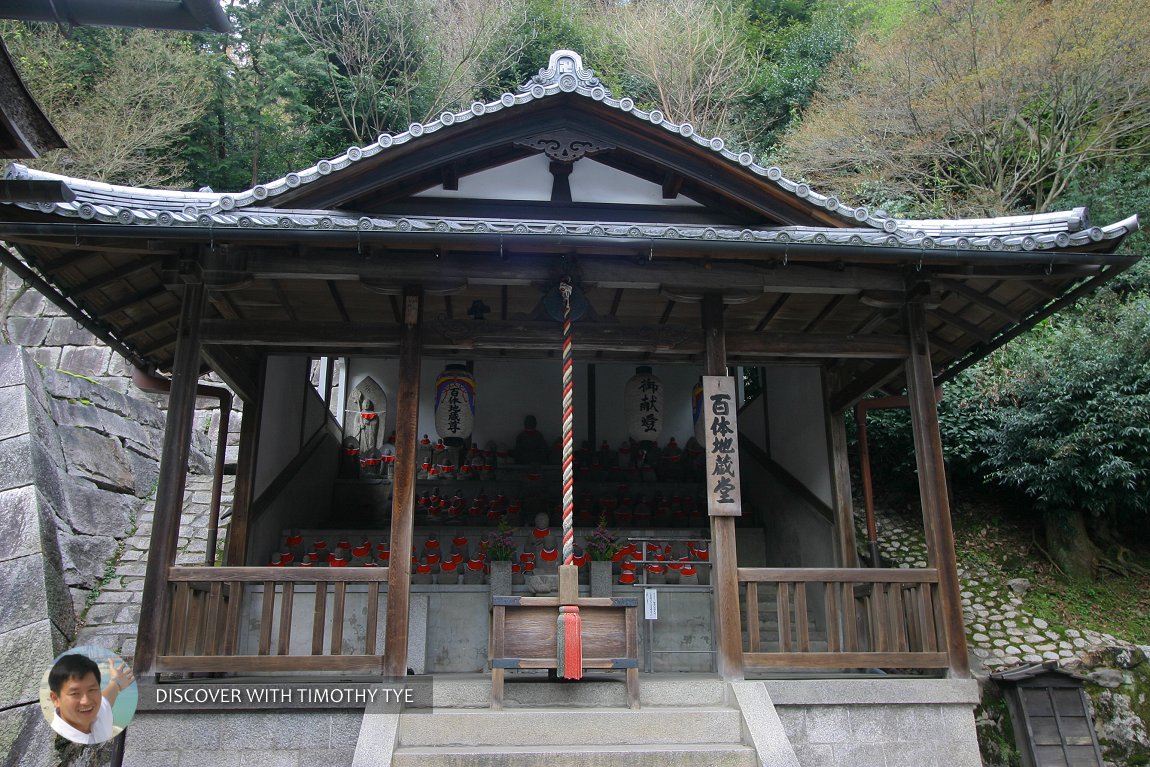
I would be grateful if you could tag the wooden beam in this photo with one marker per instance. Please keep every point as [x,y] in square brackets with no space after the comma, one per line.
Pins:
[981,299]
[1042,289]
[150,322]
[133,298]
[986,336]
[862,385]
[113,276]
[403,485]
[770,315]
[281,295]
[827,311]
[52,268]
[540,335]
[932,488]
[724,571]
[618,297]
[595,271]
[173,478]
[336,299]
[841,499]
[243,496]
[239,374]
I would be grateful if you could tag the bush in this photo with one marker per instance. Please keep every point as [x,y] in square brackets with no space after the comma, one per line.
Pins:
[1074,432]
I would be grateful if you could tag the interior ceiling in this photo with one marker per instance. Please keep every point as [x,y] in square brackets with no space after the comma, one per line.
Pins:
[338,299]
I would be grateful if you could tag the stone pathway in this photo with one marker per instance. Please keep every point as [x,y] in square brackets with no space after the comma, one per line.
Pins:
[1000,631]
[111,619]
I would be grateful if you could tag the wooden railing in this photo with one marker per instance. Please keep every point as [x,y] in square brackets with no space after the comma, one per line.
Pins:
[871,618]
[219,613]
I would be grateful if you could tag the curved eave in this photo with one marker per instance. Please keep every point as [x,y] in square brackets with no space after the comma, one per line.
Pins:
[251,223]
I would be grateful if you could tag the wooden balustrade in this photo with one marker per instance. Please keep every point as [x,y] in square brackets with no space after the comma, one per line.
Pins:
[213,609]
[871,618]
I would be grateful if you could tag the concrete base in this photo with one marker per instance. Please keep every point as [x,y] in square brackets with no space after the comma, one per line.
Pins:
[892,722]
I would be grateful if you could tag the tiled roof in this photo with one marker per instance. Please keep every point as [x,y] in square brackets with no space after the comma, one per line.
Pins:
[107,203]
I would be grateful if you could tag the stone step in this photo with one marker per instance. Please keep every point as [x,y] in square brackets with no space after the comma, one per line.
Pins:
[533,690]
[682,755]
[568,727]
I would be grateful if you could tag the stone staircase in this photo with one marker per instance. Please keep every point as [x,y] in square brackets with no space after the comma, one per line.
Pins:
[681,722]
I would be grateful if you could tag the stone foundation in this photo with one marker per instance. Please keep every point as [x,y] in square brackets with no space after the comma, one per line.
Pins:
[276,738]
[885,722]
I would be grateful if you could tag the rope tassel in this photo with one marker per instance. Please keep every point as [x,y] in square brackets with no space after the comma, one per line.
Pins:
[570,640]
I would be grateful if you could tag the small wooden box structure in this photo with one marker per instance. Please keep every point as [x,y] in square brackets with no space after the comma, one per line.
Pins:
[523,635]
[1052,724]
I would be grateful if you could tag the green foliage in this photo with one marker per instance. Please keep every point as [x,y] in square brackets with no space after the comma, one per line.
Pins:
[550,26]
[1111,193]
[800,38]
[1076,433]
[270,110]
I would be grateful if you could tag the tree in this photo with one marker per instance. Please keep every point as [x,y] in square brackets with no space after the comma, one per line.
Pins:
[982,106]
[121,99]
[690,59]
[1075,433]
[269,111]
[394,62]
[800,38]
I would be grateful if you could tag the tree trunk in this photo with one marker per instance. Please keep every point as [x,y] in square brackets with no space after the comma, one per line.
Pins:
[1069,545]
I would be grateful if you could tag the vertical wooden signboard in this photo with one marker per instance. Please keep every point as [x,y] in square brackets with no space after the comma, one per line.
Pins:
[721,432]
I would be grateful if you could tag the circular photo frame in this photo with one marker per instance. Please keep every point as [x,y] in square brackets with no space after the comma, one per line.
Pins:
[88,695]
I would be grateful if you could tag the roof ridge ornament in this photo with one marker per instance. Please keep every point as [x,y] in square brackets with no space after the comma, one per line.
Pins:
[566,70]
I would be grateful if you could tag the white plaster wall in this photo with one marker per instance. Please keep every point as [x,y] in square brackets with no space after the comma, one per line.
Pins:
[283,408]
[798,425]
[530,179]
[509,390]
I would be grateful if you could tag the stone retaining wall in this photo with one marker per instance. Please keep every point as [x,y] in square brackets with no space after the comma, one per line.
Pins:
[78,466]
[58,342]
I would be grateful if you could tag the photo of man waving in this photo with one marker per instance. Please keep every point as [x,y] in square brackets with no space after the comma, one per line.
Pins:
[82,697]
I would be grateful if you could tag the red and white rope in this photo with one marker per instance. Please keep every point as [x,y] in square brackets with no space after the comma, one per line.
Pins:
[565,290]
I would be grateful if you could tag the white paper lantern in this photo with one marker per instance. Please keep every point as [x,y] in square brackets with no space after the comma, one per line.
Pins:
[454,404]
[643,405]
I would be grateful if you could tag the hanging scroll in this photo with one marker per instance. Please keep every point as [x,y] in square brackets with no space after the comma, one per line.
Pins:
[724,498]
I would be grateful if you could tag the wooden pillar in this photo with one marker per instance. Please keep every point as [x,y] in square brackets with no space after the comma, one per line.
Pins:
[932,488]
[724,575]
[172,481]
[841,499]
[403,487]
[243,494]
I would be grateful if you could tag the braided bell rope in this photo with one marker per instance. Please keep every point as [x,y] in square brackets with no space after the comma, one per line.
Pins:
[565,290]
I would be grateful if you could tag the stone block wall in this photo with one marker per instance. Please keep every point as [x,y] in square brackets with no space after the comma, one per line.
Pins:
[78,465]
[884,723]
[57,342]
[243,738]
